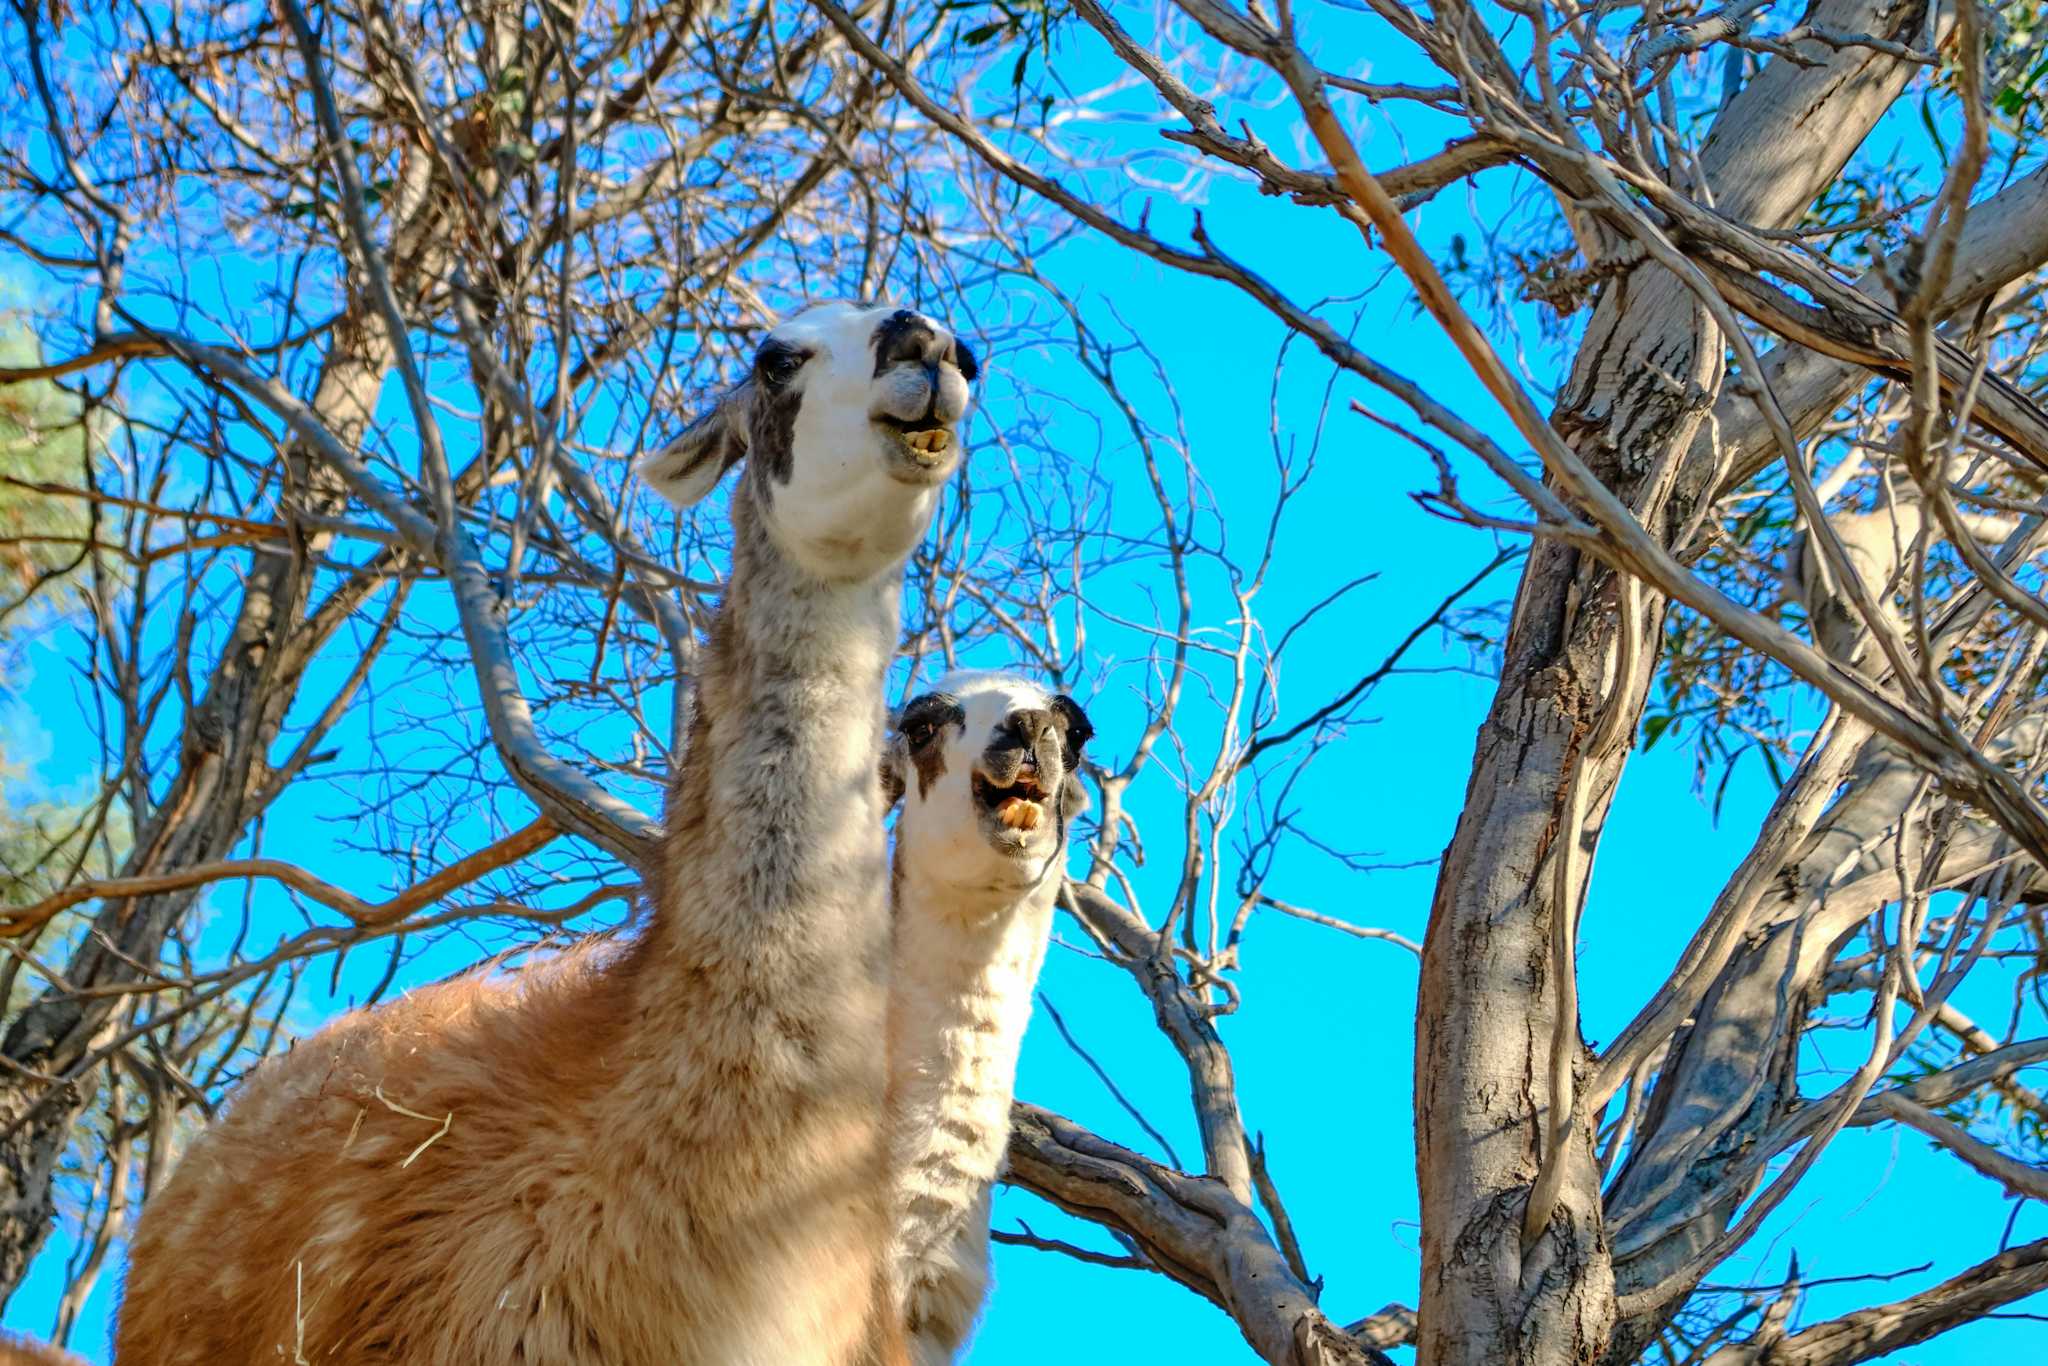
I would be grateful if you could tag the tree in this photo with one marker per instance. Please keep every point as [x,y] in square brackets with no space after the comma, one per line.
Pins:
[42,442]
[544,235]
[45,842]
[1708,223]
[374,550]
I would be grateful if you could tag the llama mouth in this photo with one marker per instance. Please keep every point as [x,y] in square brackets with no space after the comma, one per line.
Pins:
[1018,806]
[927,440]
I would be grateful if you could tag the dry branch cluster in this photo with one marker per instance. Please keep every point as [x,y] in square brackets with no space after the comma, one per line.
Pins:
[368,311]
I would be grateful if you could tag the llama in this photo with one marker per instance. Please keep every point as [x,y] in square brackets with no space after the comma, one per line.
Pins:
[985,766]
[16,1351]
[672,1151]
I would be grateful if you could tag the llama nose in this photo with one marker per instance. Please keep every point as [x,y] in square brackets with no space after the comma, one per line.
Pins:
[906,336]
[1035,728]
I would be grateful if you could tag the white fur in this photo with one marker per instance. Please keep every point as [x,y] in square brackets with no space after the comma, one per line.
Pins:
[840,478]
[972,922]
[844,513]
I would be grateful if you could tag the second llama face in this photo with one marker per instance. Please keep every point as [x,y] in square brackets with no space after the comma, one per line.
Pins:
[987,766]
[849,422]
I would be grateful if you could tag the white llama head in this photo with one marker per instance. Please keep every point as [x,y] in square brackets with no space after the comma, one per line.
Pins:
[987,766]
[849,419]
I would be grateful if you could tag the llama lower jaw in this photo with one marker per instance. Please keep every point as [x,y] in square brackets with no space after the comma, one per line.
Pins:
[1018,806]
[925,448]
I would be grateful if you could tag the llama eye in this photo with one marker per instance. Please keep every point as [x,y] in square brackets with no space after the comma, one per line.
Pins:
[778,365]
[921,720]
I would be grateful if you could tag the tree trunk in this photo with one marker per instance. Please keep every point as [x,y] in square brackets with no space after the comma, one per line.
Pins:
[216,793]
[1649,368]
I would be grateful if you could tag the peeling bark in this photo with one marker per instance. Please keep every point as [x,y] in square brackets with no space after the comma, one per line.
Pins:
[1191,1228]
[1648,371]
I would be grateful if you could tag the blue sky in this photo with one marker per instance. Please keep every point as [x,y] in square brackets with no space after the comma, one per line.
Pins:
[1323,1040]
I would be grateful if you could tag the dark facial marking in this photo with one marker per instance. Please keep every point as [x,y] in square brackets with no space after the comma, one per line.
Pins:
[777,362]
[922,725]
[771,422]
[1075,730]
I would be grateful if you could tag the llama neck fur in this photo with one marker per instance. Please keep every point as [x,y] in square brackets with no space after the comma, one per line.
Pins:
[772,890]
[963,968]
[776,796]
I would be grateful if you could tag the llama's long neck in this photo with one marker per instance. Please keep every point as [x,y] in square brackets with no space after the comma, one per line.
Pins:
[769,938]
[964,964]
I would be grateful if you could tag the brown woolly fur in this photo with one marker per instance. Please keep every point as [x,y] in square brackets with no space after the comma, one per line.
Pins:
[22,1352]
[661,1152]
[667,1150]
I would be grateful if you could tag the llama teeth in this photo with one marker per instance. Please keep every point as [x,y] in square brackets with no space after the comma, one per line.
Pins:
[1019,814]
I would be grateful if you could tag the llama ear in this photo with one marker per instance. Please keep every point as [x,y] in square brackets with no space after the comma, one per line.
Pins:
[894,768]
[690,466]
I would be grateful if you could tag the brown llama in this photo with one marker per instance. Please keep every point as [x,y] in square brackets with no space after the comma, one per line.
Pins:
[16,1351]
[670,1153]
